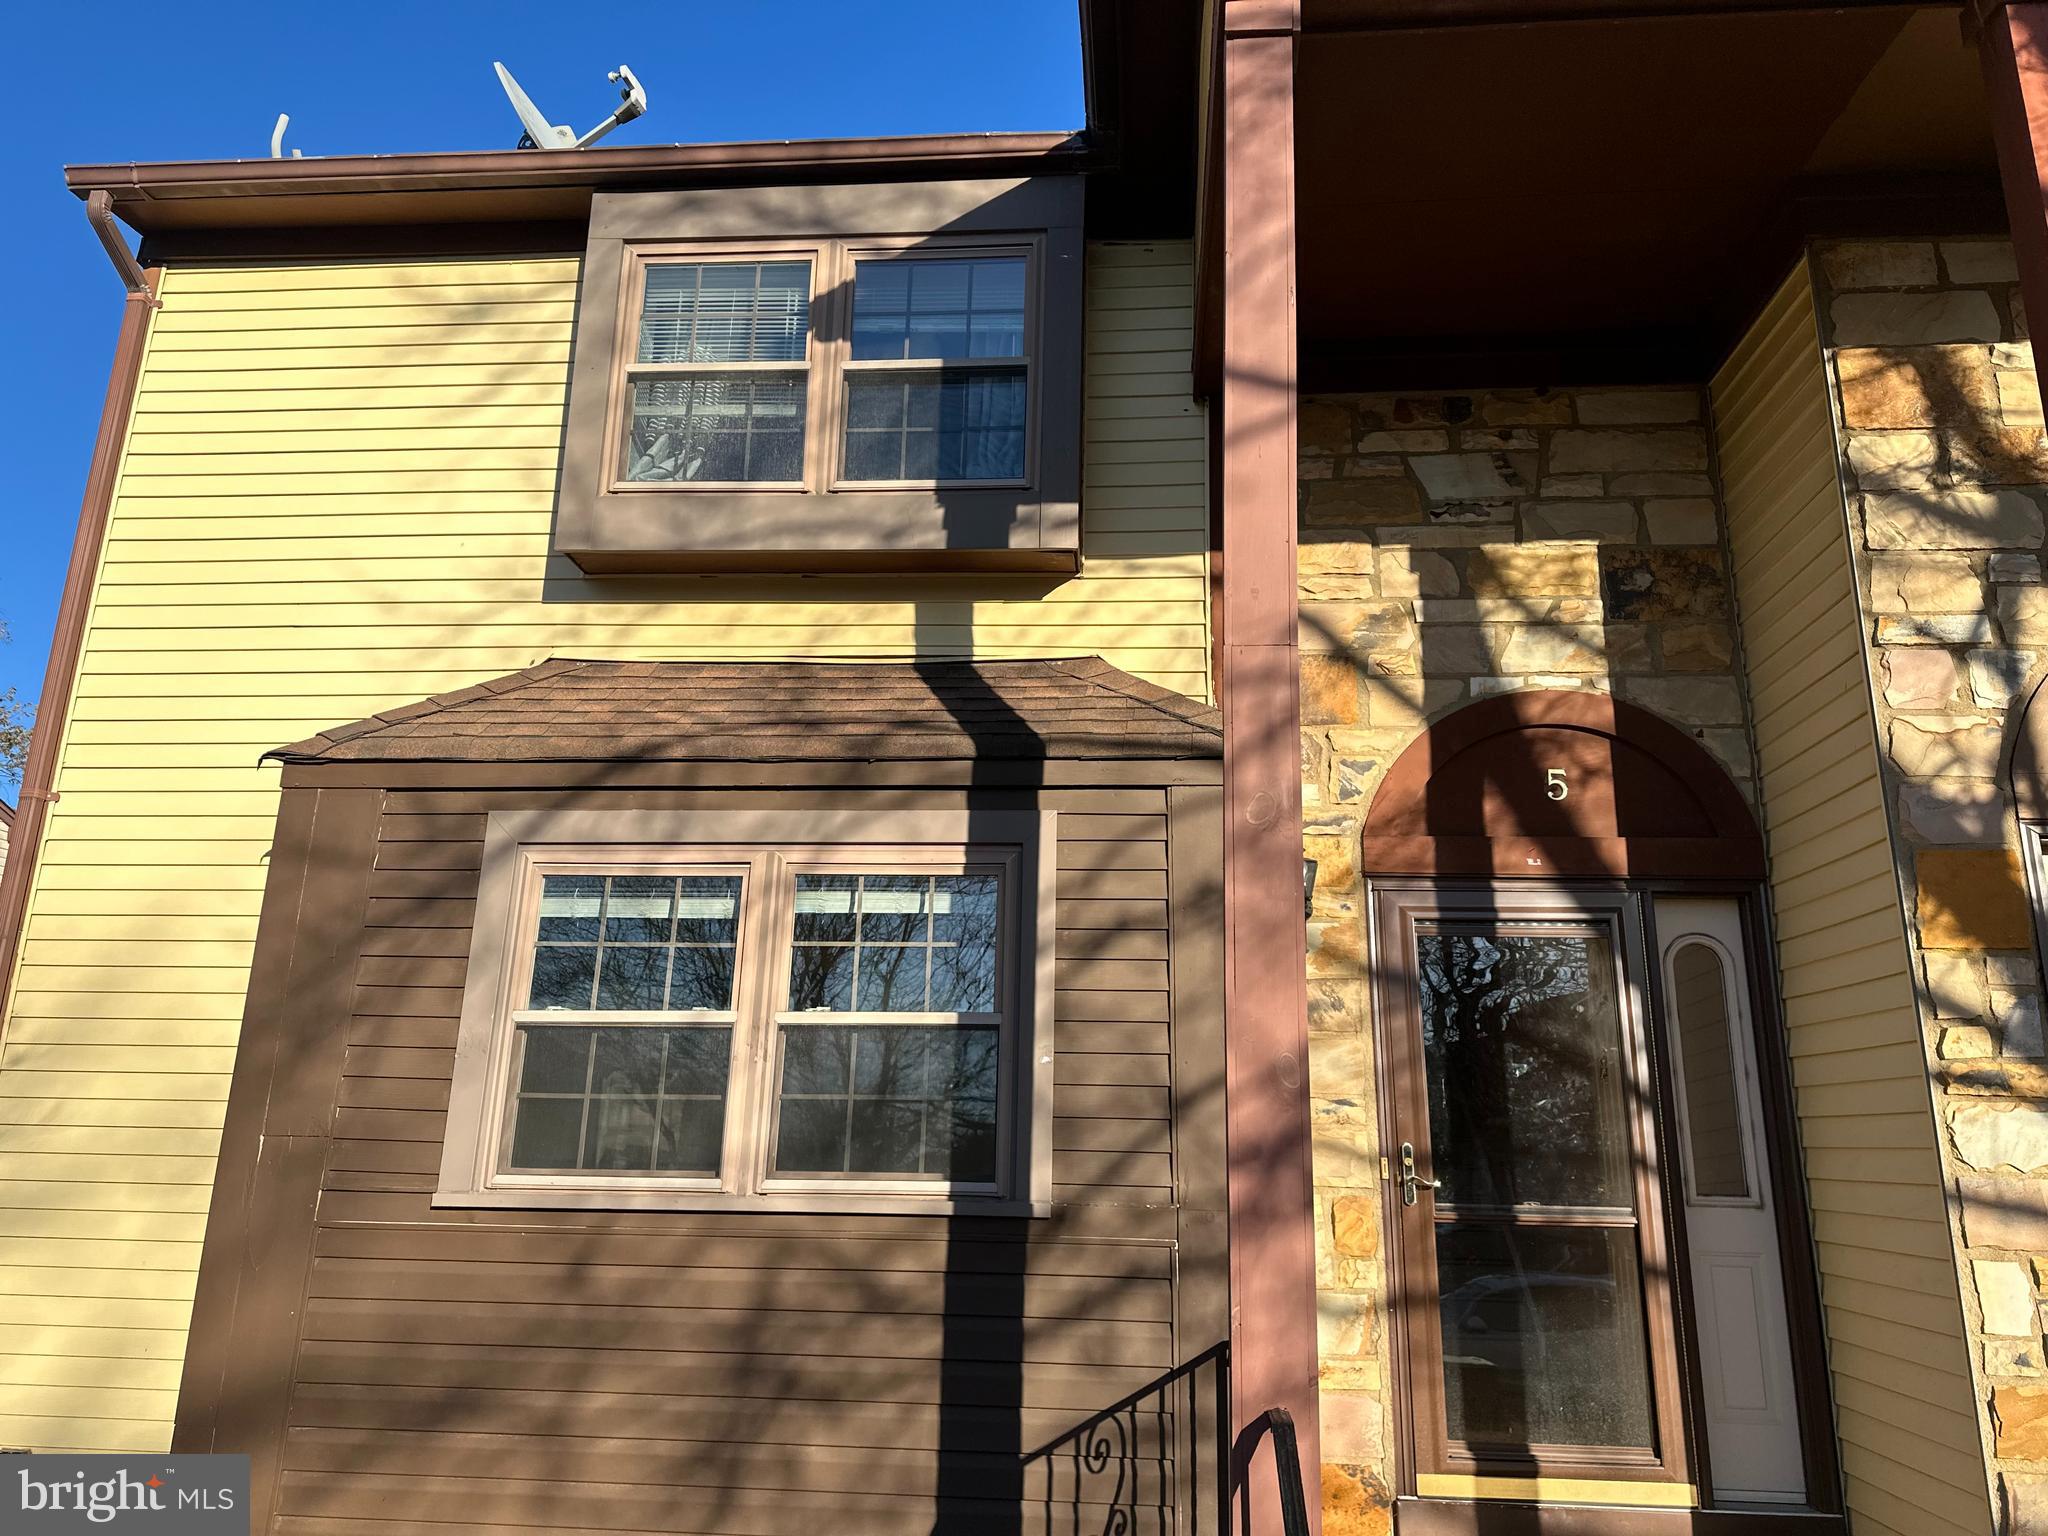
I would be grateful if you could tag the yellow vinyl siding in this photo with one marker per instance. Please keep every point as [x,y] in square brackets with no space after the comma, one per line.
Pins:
[1905,1410]
[336,497]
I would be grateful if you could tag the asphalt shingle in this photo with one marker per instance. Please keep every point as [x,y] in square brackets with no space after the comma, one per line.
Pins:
[723,711]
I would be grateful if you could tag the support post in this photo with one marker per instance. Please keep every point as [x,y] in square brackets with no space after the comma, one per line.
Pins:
[2012,42]
[1272,1233]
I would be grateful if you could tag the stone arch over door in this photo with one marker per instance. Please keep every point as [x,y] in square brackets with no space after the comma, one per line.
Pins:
[1557,784]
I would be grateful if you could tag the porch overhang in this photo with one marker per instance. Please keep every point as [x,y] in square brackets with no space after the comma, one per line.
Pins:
[1559,192]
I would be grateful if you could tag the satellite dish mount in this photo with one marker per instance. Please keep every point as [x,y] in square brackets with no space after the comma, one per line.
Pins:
[542,134]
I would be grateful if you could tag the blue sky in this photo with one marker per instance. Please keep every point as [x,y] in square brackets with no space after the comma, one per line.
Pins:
[207,82]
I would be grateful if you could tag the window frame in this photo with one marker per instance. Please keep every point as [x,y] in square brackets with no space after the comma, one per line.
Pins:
[829,365]
[626,368]
[846,859]
[522,847]
[501,1109]
[846,367]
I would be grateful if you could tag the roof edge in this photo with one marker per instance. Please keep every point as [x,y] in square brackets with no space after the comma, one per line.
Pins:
[313,748]
[1432,15]
[142,190]
[1181,728]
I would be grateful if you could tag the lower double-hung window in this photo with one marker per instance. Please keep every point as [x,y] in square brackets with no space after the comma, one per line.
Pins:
[770,1026]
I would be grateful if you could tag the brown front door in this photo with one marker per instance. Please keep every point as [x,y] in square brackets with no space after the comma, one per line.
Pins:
[1534,1293]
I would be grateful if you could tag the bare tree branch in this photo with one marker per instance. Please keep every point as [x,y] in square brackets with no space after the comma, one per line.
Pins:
[17,716]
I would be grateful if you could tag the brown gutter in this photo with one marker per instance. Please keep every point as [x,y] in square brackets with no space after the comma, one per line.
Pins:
[1388,15]
[99,213]
[54,707]
[1273,1360]
[149,195]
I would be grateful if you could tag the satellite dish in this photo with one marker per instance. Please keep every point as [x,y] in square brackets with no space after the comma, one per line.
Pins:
[542,134]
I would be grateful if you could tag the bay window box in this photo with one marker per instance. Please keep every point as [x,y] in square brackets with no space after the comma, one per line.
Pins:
[787,380]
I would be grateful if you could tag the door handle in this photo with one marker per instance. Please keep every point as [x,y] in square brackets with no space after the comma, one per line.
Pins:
[1411,1181]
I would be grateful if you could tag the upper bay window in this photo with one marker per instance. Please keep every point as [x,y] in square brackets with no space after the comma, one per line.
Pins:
[809,396]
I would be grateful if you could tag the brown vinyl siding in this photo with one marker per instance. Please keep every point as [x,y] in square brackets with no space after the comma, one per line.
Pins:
[466,1370]
[1899,1363]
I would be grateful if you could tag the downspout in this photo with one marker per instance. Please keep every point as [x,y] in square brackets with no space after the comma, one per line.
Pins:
[53,709]
[99,213]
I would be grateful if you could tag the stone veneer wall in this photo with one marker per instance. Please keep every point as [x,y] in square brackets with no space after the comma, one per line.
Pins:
[1943,464]
[1455,546]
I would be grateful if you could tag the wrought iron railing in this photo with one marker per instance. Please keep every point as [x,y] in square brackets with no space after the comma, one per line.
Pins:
[1127,1469]
[1287,1468]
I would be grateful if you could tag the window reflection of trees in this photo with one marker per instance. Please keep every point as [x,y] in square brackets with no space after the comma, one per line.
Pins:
[907,1099]
[890,943]
[1522,1035]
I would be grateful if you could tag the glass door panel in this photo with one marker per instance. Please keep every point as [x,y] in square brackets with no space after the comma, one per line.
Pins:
[1543,1335]
[1538,1309]
[1537,1279]
[1521,1043]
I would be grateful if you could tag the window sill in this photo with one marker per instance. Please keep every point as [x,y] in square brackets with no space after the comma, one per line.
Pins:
[1502,1517]
[909,531]
[704,1201]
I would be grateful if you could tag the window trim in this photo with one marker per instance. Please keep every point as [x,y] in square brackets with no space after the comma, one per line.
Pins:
[520,845]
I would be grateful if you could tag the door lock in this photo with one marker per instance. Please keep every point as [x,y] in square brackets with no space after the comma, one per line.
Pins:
[1411,1181]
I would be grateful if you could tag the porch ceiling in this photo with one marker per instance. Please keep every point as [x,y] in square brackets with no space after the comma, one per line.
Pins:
[1558,202]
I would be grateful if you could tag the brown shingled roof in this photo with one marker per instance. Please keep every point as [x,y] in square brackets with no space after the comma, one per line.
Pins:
[709,711]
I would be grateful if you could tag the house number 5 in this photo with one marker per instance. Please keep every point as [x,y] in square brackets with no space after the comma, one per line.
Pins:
[1554,784]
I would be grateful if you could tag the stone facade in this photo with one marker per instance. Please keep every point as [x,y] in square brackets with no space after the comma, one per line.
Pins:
[1452,547]
[1943,466]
